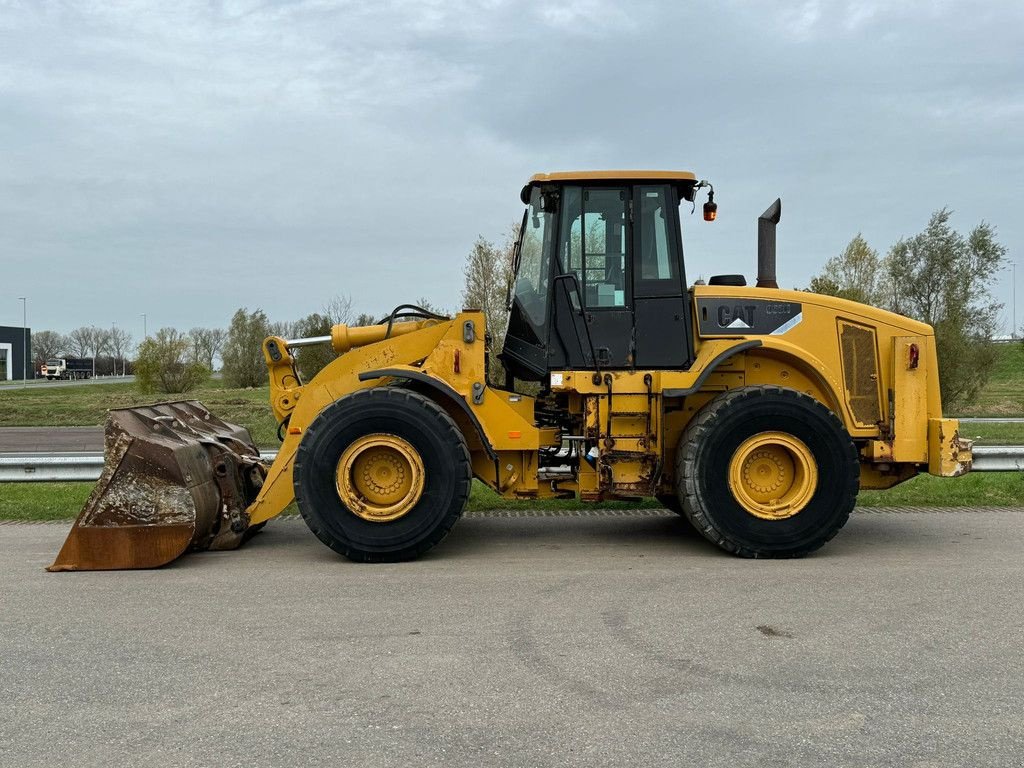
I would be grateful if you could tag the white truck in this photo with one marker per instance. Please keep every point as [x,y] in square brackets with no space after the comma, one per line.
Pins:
[67,368]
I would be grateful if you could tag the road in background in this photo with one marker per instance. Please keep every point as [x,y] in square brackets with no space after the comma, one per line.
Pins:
[608,640]
[51,439]
[70,383]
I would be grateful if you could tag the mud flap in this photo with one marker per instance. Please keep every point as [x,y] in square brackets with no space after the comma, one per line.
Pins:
[175,479]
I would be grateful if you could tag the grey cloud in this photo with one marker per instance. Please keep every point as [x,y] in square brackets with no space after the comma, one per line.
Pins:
[174,158]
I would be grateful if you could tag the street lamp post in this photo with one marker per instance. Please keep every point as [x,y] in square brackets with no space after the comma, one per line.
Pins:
[145,333]
[1013,301]
[24,340]
[1013,297]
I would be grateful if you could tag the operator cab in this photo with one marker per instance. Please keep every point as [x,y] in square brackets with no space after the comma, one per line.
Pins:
[599,278]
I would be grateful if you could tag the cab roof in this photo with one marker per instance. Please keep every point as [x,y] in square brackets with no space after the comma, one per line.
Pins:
[561,176]
[684,179]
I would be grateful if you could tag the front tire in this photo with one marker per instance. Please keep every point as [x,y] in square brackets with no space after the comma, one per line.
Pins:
[767,472]
[382,475]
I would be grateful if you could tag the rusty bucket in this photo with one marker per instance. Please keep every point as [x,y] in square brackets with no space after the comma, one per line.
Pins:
[175,479]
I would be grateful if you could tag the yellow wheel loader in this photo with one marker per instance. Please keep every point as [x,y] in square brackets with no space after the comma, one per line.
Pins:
[757,413]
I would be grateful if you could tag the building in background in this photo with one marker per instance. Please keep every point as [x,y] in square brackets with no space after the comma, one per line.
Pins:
[12,349]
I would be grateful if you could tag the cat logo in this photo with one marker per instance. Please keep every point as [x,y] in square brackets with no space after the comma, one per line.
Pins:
[725,316]
[736,317]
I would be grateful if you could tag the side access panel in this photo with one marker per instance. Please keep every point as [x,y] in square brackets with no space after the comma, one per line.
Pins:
[662,332]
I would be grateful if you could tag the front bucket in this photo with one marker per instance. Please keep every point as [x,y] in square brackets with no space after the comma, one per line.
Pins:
[175,478]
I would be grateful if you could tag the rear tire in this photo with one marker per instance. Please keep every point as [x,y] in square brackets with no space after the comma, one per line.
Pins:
[398,428]
[767,472]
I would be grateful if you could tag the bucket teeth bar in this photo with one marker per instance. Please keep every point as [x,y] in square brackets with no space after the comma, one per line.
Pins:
[175,479]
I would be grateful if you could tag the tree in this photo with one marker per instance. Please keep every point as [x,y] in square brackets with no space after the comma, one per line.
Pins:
[120,341]
[243,349]
[311,360]
[426,304]
[488,279]
[338,310]
[165,365]
[938,277]
[206,344]
[856,274]
[944,279]
[422,302]
[286,329]
[47,345]
[79,341]
[99,340]
[88,342]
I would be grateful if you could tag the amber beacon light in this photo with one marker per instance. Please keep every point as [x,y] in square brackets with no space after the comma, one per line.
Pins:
[711,207]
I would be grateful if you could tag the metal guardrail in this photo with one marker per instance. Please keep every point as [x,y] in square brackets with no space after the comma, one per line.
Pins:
[998,458]
[86,467]
[60,468]
[47,468]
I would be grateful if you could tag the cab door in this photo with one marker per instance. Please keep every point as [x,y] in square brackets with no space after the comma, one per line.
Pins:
[663,329]
[595,245]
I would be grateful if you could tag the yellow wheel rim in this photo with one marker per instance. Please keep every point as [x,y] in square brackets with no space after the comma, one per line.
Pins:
[380,477]
[773,475]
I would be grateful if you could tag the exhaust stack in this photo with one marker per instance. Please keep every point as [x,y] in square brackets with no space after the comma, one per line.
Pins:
[766,245]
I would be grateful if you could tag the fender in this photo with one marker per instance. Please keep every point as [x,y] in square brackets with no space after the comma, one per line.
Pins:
[720,358]
[830,385]
[441,388]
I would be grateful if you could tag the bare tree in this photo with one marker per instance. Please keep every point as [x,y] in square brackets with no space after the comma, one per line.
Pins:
[120,341]
[286,329]
[99,341]
[488,278]
[197,343]
[206,344]
[338,310]
[79,342]
[47,345]
[217,338]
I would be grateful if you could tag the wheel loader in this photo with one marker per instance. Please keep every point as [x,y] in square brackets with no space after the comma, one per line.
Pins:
[757,413]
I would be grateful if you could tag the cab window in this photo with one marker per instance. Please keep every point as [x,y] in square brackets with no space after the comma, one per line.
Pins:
[658,268]
[594,244]
[531,287]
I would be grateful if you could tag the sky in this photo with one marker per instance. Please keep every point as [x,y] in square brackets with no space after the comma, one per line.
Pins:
[184,159]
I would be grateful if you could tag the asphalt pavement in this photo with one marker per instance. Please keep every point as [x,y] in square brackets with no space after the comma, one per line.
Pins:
[40,383]
[51,439]
[602,640]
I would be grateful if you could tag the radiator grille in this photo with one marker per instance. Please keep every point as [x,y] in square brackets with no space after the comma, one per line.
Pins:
[860,370]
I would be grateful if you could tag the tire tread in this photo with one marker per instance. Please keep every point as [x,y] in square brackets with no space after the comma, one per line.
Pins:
[450,432]
[695,507]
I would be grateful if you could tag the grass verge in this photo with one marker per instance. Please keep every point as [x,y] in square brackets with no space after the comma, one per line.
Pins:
[1003,393]
[975,489]
[42,501]
[993,433]
[85,405]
